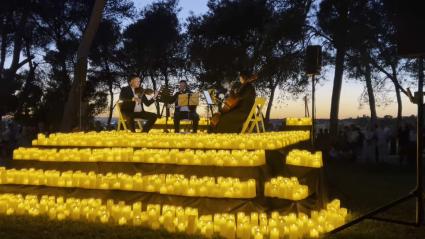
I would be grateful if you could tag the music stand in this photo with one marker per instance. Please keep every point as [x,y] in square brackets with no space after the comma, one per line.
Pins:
[209,100]
[165,97]
[188,99]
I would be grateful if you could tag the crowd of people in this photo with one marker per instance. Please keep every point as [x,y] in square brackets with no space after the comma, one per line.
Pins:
[381,143]
[13,135]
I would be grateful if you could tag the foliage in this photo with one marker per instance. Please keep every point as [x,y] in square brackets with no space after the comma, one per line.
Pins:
[40,40]
[152,44]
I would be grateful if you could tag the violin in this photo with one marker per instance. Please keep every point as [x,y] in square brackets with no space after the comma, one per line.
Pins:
[139,91]
[232,101]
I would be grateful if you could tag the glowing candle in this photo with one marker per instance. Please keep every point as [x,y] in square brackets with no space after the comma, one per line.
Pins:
[274,233]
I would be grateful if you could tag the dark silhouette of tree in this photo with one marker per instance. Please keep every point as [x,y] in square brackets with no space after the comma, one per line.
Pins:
[335,26]
[14,16]
[282,51]
[384,59]
[105,61]
[49,32]
[75,107]
[264,36]
[226,39]
[364,20]
[153,44]
[57,82]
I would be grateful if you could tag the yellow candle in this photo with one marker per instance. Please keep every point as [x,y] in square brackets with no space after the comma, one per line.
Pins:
[274,233]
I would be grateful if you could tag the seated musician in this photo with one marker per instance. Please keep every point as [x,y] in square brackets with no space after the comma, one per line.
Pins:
[184,112]
[132,105]
[231,121]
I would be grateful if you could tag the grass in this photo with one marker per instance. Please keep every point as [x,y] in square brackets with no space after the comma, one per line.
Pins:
[363,187]
[18,227]
[360,186]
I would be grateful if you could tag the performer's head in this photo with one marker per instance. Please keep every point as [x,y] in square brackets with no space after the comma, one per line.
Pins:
[246,76]
[134,81]
[182,86]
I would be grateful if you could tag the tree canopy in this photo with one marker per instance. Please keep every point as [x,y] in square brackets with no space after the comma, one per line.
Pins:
[44,52]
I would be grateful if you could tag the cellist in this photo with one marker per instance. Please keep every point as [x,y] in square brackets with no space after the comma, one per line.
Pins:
[237,107]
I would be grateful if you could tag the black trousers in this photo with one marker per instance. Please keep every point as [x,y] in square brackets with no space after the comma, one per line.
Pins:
[148,116]
[179,115]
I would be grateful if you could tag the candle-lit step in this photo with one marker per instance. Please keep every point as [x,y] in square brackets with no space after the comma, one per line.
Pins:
[298,121]
[177,219]
[162,121]
[285,188]
[259,141]
[304,158]
[228,158]
[169,184]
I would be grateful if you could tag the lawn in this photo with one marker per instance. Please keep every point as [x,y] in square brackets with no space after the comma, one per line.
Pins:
[19,227]
[363,187]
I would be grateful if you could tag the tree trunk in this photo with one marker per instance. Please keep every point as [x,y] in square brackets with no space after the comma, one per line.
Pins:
[22,109]
[270,103]
[74,108]
[336,92]
[399,107]
[398,88]
[167,109]
[371,96]
[110,81]
[3,51]
[17,43]
[111,103]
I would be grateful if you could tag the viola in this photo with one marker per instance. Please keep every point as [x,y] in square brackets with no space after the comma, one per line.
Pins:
[140,91]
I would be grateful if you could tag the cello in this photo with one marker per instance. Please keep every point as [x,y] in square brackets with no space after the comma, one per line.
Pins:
[232,101]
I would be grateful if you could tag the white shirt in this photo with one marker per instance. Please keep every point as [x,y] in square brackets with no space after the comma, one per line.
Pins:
[137,106]
[184,108]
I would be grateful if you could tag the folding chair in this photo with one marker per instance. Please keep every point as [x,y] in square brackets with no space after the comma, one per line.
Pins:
[255,117]
[121,121]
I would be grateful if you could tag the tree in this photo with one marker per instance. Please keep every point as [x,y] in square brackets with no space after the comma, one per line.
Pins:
[226,39]
[334,25]
[153,44]
[14,16]
[365,21]
[264,36]
[75,105]
[105,60]
[282,50]
[384,59]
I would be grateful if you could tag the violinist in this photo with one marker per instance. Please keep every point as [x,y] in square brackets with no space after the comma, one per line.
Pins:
[236,107]
[133,98]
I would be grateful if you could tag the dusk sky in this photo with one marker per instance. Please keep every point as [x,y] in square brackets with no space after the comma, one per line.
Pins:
[350,93]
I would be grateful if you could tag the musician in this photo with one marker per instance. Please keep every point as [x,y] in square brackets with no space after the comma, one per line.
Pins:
[232,120]
[184,112]
[132,105]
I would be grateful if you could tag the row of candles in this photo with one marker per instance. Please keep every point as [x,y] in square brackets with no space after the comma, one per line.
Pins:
[305,158]
[298,121]
[170,184]
[269,140]
[160,156]
[285,188]
[178,219]
[161,121]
